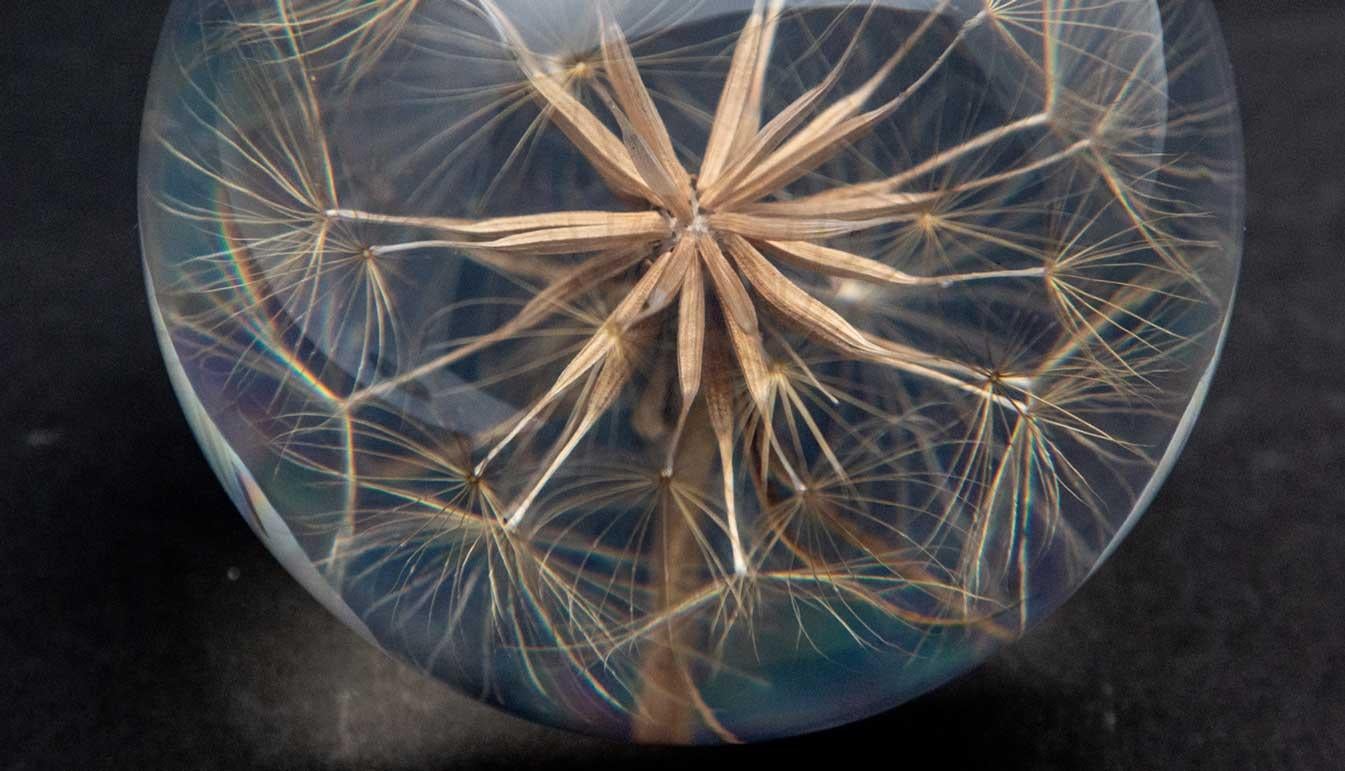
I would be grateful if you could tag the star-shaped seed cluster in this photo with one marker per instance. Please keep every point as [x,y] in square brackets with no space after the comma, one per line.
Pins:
[790,384]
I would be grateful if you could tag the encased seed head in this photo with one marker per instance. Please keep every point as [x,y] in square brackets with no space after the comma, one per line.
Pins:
[692,371]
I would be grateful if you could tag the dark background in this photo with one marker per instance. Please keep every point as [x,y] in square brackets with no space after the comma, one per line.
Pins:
[142,625]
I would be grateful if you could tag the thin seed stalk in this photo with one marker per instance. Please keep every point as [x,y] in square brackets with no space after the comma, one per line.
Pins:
[670,708]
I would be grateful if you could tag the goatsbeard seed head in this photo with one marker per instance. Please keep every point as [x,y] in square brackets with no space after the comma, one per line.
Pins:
[691,371]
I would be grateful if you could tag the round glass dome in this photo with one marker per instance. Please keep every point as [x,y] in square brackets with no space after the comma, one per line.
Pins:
[700,371]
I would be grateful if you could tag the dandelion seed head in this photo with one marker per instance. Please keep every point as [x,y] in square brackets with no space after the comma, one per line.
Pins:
[691,372]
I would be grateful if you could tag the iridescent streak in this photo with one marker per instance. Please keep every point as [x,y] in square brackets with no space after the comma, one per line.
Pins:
[235,246]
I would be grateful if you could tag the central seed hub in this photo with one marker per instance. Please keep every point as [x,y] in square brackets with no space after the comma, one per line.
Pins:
[699,225]
[695,223]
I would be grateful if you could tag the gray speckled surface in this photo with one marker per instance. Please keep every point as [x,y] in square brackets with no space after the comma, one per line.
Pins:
[143,626]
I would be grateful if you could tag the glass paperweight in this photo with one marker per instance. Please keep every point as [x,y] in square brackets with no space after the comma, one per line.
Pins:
[689,372]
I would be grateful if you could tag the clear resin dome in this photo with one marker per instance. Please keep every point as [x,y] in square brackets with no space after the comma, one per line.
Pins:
[691,371]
